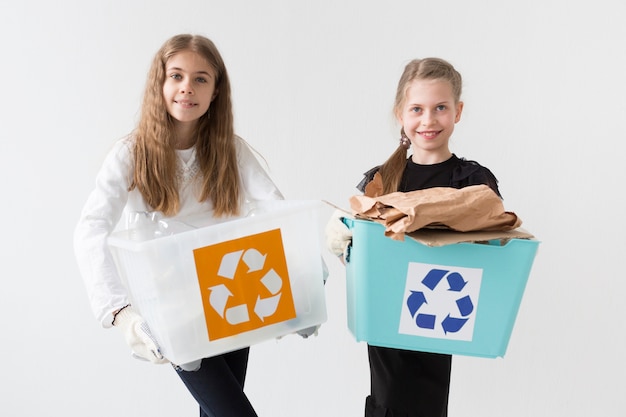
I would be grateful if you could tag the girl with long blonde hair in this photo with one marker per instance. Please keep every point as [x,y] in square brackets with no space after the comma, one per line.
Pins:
[182,159]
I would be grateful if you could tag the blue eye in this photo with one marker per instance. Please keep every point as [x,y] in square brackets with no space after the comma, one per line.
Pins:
[175,76]
[201,80]
[416,109]
[441,107]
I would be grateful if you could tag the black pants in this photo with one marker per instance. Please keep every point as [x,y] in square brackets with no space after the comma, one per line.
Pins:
[406,383]
[218,385]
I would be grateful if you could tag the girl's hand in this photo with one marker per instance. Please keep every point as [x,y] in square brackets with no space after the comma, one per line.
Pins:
[138,336]
[338,235]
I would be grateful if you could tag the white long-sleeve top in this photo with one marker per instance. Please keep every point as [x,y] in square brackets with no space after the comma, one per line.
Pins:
[110,201]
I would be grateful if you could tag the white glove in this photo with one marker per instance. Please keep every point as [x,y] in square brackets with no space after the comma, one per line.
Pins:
[338,235]
[138,336]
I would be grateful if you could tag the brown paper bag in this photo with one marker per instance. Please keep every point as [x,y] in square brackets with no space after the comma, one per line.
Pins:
[472,208]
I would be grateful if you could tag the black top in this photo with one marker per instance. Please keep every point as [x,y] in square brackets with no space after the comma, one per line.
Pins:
[406,382]
[455,172]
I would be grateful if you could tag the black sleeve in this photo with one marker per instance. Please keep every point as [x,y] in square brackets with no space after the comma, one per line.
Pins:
[472,173]
[367,177]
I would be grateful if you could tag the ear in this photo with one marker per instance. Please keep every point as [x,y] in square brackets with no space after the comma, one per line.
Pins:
[214,95]
[459,110]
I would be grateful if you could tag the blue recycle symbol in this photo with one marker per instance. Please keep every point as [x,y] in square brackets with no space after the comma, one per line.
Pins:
[417,299]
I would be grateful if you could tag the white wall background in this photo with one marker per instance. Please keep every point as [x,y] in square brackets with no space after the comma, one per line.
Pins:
[313,88]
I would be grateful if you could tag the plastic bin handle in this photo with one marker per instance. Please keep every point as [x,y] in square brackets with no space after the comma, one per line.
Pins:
[349,222]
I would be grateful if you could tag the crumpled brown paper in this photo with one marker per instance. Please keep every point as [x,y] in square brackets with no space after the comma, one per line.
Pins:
[472,208]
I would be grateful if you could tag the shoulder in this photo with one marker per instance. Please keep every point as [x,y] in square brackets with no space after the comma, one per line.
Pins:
[469,172]
[255,179]
[122,148]
[245,153]
[243,148]
[239,143]
[469,167]
[120,155]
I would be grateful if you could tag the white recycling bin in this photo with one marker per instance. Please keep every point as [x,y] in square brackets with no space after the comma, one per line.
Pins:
[207,290]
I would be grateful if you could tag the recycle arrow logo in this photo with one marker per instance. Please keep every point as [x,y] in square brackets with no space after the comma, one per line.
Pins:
[219,294]
[244,284]
[433,282]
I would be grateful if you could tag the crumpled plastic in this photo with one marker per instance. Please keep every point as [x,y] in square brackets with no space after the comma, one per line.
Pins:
[472,208]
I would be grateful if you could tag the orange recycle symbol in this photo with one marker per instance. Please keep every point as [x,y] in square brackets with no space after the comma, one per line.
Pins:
[244,284]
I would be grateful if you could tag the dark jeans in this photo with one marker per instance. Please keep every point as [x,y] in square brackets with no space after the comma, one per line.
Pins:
[218,385]
[407,383]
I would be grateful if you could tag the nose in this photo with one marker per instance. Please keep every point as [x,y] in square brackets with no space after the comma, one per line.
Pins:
[185,88]
[427,118]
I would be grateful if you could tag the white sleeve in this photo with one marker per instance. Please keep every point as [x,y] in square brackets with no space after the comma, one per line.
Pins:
[104,208]
[257,184]
[98,219]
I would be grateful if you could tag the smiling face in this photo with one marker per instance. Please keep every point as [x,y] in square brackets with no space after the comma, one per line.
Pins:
[428,115]
[188,89]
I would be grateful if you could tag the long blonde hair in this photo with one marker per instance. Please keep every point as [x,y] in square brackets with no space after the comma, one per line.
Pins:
[154,151]
[417,69]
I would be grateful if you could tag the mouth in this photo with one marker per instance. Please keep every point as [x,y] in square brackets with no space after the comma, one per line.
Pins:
[185,103]
[429,134]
